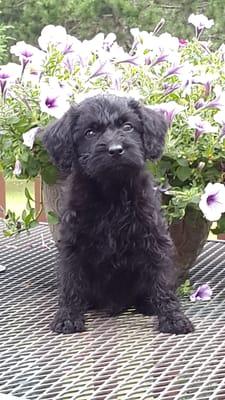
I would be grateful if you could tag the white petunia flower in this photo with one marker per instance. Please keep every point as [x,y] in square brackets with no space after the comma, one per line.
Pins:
[52,35]
[25,52]
[29,136]
[219,117]
[54,99]
[212,203]
[8,74]
[170,110]
[200,22]
[219,101]
[200,126]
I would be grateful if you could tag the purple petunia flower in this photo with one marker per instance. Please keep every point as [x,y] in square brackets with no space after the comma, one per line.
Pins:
[203,292]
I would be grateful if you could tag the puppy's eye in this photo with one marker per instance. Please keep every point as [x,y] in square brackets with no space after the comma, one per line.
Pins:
[127,127]
[90,133]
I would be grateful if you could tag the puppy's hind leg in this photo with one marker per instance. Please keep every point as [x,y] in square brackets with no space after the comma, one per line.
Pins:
[143,306]
[163,302]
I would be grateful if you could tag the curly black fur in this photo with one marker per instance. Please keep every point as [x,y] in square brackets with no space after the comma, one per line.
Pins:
[115,250]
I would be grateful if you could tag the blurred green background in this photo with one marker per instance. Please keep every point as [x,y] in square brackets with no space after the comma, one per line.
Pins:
[15,198]
[85,18]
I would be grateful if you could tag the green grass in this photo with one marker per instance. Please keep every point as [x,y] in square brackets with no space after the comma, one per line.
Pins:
[15,197]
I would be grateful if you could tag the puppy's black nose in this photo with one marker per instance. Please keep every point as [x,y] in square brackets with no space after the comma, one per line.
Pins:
[115,149]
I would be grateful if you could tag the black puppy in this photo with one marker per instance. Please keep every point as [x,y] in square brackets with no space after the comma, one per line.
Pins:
[115,250]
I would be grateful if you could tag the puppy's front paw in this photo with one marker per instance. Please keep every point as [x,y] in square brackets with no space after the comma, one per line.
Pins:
[65,322]
[176,323]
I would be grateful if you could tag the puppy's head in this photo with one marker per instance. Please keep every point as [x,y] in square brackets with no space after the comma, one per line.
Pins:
[106,136]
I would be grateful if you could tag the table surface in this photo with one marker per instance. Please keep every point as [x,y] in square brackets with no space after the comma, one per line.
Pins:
[116,358]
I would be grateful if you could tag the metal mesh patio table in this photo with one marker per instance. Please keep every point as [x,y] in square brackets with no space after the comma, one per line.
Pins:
[117,358]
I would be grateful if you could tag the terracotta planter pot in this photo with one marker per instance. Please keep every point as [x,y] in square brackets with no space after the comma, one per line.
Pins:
[52,198]
[189,234]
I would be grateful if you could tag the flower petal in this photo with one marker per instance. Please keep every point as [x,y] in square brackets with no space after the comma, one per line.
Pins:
[212,202]
[17,168]
[203,292]
[29,136]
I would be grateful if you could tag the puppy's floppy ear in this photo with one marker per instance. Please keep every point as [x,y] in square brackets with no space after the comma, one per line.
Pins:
[57,139]
[154,132]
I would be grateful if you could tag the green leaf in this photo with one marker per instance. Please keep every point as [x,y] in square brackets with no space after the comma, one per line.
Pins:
[33,224]
[24,157]
[27,219]
[164,165]
[24,214]
[183,173]
[14,119]
[195,199]
[7,233]
[52,218]
[185,289]
[49,174]
[182,162]
[27,194]
[220,226]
